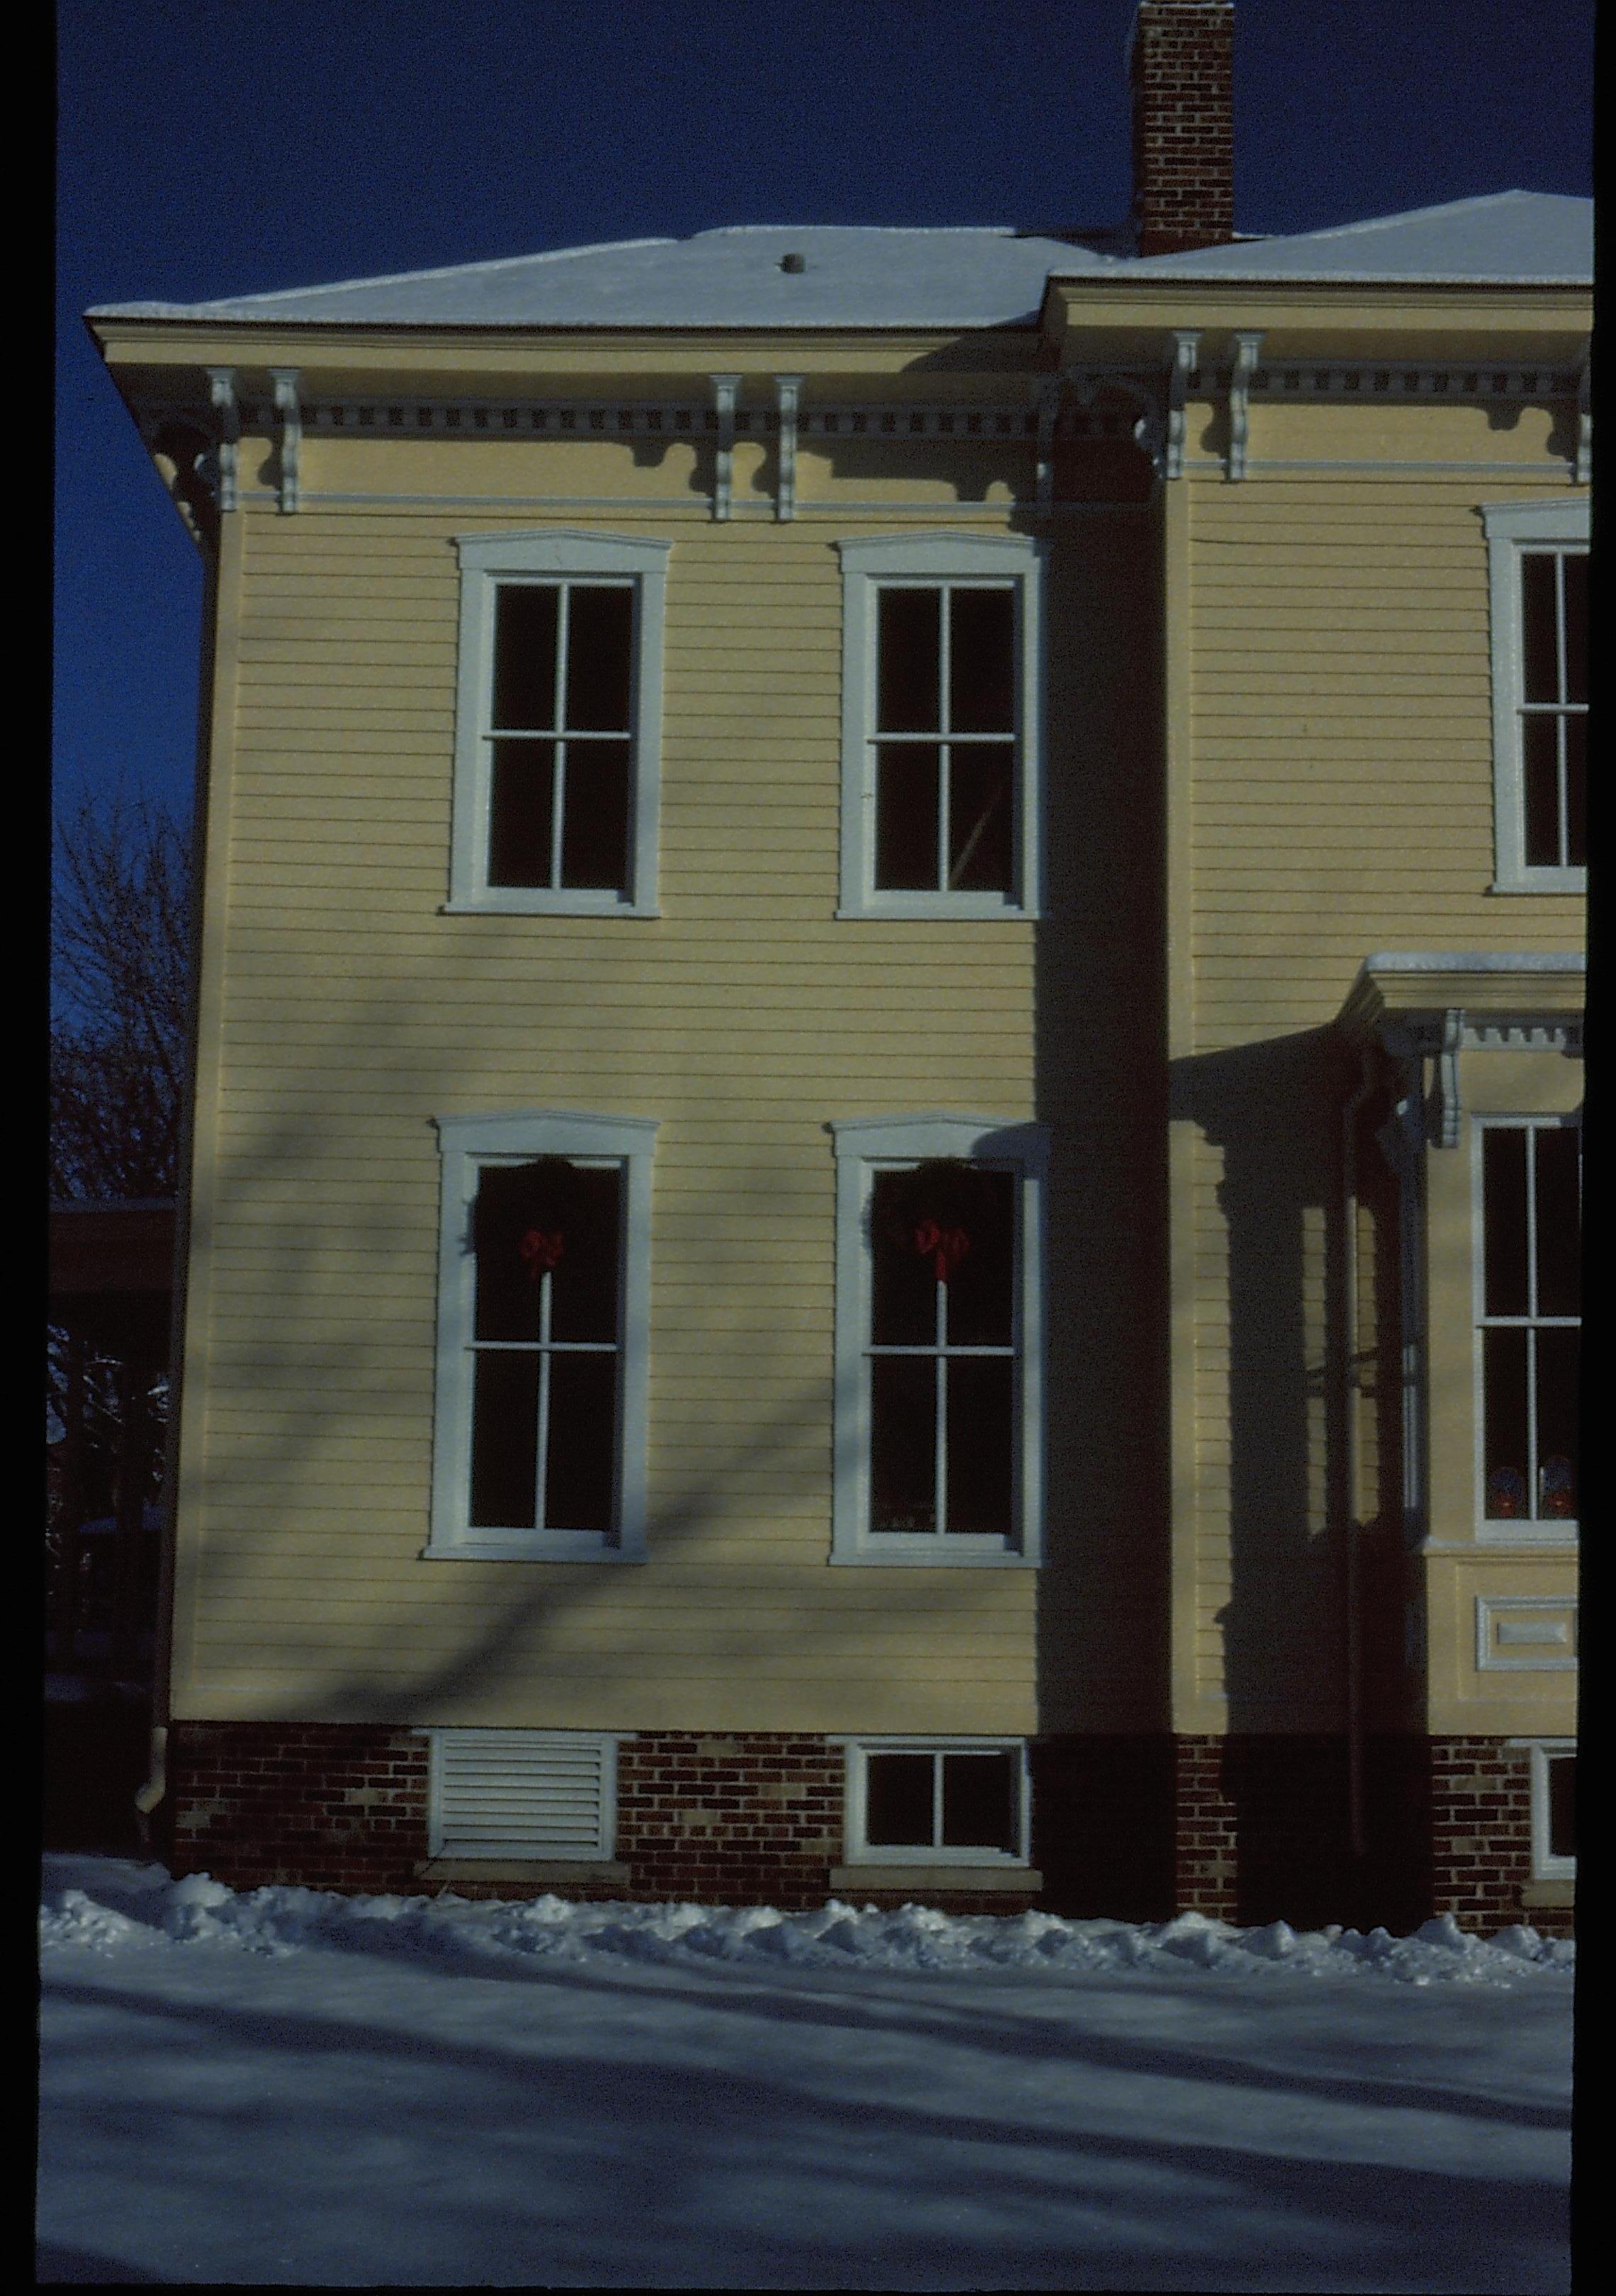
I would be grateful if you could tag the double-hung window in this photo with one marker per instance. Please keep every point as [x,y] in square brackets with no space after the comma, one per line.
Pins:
[543,1290]
[941,725]
[558,723]
[1539,610]
[1529,1327]
[939,1342]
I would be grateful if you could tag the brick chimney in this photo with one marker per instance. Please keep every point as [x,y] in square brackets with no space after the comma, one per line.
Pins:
[1181,65]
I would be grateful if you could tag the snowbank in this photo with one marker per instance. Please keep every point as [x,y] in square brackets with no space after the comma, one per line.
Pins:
[116,1906]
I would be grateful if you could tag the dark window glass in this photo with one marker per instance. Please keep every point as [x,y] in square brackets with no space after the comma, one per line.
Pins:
[1503,1433]
[1539,625]
[903,1443]
[898,1802]
[981,661]
[1559,1220]
[980,1802]
[521,813]
[981,779]
[980,1479]
[512,1206]
[906,816]
[595,819]
[600,628]
[526,621]
[1503,1220]
[582,1442]
[981,1288]
[1576,626]
[505,1440]
[1558,1351]
[1577,791]
[908,662]
[905,1283]
[1561,1805]
[584,1281]
[1540,767]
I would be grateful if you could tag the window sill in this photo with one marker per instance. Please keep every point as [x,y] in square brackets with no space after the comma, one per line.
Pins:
[1546,880]
[1021,1878]
[1549,1894]
[522,1869]
[581,1546]
[547,905]
[924,907]
[932,1556]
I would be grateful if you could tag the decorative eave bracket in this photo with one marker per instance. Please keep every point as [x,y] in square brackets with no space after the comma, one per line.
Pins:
[788,391]
[1185,363]
[1583,469]
[221,393]
[1248,350]
[285,380]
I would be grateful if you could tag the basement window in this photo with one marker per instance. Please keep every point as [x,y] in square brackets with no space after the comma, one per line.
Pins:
[1554,1805]
[953,1801]
[559,718]
[941,709]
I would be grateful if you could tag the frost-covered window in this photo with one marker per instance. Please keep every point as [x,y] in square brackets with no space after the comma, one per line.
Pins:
[1539,610]
[941,682]
[557,749]
[938,1443]
[954,1801]
[541,1368]
[1529,1319]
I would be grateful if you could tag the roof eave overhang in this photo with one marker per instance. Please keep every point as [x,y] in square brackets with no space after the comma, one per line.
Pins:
[1398,985]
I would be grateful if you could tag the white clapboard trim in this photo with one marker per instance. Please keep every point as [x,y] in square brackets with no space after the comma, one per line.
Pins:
[522,1794]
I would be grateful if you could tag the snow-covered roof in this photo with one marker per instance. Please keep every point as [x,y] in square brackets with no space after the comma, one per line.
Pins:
[860,275]
[1521,237]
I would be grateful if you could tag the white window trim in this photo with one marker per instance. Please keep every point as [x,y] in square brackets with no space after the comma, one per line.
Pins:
[1516,1530]
[468,1143]
[862,1143]
[557,553]
[859,1851]
[938,558]
[1512,528]
[1545,1867]
[548,1853]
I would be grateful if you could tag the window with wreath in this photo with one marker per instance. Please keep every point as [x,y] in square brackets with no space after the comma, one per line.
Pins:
[557,749]
[941,725]
[1539,612]
[543,1285]
[1530,1320]
[939,1342]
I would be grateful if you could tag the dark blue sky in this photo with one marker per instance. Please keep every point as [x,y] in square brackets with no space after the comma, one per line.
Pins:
[208,147]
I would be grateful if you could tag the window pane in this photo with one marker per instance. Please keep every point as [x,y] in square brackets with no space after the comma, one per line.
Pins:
[1561,1805]
[1576,626]
[1558,1351]
[1559,1220]
[1577,791]
[600,628]
[1541,667]
[980,1464]
[906,816]
[1540,770]
[981,661]
[594,823]
[583,1442]
[583,1287]
[519,813]
[982,1287]
[909,662]
[981,808]
[898,1802]
[526,617]
[980,1802]
[905,1280]
[1503,1220]
[903,1443]
[1504,1430]
[504,1440]
[511,1207]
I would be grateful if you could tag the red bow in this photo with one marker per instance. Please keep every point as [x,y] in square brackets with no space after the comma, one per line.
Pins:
[541,1248]
[946,1245]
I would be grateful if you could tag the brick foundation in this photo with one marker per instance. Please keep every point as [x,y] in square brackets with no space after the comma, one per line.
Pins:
[334,1805]
[750,1819]
[1482,1836]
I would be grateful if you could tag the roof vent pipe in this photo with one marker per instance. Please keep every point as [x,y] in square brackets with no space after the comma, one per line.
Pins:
[1181,59]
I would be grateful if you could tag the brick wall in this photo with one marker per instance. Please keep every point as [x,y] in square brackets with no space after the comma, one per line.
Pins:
[751,1819]
[1103,1827]
[334,1805]
[1482,1836]
[1183,124]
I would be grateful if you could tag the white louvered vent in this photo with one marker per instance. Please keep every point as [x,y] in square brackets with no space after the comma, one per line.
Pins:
[522,1794]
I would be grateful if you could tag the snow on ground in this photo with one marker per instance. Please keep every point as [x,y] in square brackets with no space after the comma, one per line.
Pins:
[290,2088]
